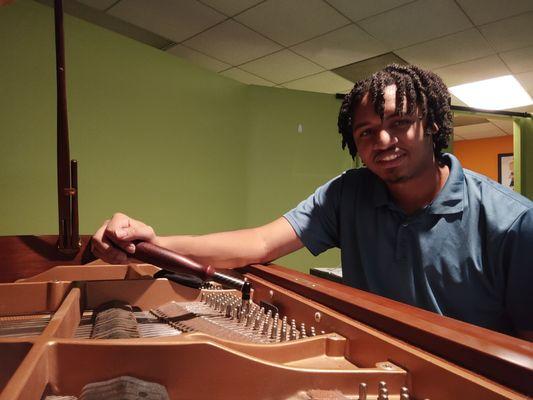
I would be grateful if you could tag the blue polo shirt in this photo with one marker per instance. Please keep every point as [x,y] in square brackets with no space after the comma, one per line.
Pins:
[467,255]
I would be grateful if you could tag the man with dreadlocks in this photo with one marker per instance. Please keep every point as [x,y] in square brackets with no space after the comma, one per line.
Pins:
[412,226]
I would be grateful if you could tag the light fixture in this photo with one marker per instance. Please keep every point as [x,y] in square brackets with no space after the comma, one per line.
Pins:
[493,94]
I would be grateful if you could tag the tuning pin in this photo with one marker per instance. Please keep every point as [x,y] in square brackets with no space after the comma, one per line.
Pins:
[284,332]
[303,333]
[362,391]
[274,329]
[258,321]
[227,313]
[313,332]
[383,393]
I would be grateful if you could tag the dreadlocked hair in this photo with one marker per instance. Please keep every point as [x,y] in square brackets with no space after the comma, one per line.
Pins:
[414,86]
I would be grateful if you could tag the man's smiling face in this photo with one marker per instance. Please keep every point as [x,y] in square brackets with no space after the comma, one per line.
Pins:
[394,148]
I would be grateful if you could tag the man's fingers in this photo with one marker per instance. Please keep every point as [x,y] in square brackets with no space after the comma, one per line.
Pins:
[136,231]
[115,238]
[123,230]
[113,254]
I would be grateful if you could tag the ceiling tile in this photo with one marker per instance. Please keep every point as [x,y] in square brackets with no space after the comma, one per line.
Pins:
[492,10]
[97,17]
[473,71]
[526,80]
[451,49]
[233,43]
[520,60]
[230,8]
[173,19]
[282,66]
[340,47]
[457,102]
[528,109]
[478,131]
[324,82]
[198,58]
[505,125]
[416,22]
[291,22]
[510,33]
[363,69]
[98,4]
[457,138]
[245,77]
[468,119]
[357,10]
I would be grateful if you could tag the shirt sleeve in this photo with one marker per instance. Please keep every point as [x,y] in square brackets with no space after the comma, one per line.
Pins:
[519,252]
[316,219]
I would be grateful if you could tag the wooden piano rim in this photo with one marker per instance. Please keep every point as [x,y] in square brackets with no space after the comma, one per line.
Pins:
[501,358]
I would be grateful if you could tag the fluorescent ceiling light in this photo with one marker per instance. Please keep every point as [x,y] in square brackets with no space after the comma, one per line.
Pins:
[493,94]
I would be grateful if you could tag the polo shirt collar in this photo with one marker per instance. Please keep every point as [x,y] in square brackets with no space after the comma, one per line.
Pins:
[450,199]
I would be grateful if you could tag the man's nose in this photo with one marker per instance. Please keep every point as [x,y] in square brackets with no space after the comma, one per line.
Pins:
[385,139]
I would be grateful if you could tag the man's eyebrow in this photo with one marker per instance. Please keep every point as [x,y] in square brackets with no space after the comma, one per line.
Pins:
[360,125]
[395,114]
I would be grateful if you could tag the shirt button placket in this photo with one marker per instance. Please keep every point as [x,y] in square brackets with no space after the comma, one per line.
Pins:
[401,242]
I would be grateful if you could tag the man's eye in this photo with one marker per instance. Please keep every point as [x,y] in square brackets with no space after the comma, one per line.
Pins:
[364,133]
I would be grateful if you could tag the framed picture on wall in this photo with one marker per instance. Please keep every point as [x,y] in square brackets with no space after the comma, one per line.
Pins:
[506,169]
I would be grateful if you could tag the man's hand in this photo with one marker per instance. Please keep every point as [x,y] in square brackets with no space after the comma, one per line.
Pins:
[114,239]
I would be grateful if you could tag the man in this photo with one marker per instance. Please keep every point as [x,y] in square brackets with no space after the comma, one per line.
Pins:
[412,226]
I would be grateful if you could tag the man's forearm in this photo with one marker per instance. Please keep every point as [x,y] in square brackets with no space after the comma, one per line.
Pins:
[220,250]
[236,248]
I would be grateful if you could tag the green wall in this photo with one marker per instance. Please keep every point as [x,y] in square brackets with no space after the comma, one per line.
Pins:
[155,136]
[179,147]
[523,150]
[285,166]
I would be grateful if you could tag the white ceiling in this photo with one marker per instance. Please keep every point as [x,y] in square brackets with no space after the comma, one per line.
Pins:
[296,43]
[489,129]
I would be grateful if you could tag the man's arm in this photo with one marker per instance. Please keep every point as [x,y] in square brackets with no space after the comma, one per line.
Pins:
[231,249]
[518,295]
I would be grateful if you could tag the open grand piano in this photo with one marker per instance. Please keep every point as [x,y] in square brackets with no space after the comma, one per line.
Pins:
[68,328]
[301,337]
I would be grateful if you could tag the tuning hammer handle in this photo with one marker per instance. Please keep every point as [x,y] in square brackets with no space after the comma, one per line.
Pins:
[167,259]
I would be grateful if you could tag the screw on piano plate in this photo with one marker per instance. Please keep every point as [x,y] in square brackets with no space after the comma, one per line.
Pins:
[318,316]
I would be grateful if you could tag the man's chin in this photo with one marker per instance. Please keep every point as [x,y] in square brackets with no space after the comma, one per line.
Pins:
[394,177]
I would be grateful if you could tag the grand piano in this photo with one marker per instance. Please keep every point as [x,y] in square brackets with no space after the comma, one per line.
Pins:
[300,336]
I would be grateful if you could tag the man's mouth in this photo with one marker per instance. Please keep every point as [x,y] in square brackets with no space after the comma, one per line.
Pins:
[389,156]
[390,159]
